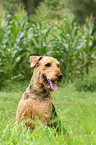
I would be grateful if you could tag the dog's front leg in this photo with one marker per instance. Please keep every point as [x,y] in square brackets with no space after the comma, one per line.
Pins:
[55,122]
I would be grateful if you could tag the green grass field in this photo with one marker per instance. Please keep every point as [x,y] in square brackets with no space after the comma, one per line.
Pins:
[76,110]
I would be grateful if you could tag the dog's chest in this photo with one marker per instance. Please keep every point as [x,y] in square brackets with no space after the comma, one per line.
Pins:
[30,108]
[42,106]
[43,109]
[37,109]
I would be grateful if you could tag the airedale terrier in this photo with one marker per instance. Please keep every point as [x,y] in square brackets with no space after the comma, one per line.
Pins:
[36,100]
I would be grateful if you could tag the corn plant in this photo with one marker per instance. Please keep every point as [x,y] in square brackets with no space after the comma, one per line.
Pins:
[13,42]
[40,34]
[72,47]
[66,41]
[88,49]
[67,46]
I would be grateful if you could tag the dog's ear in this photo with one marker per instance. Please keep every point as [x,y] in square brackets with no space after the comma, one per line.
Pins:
[34,60]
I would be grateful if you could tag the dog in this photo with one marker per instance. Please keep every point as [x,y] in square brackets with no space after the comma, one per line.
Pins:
[36,101]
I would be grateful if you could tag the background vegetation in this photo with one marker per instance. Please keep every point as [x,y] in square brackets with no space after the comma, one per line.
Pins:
[62,29]
[83,9]
[71,44]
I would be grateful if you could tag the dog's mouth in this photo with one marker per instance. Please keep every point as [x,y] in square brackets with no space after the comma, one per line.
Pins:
[51,84]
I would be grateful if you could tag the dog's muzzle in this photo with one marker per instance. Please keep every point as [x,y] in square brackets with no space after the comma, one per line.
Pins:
[51,84]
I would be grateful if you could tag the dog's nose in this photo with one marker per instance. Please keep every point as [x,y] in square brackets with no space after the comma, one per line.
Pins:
[59,76]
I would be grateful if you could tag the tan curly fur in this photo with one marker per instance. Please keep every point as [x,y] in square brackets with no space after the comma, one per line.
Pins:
[36,100]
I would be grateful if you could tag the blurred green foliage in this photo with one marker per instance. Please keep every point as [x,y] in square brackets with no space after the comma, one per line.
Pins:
[64,40]
[10,5]
[80,9]
[88,82]
[72,47]
[56,8]
[83,9]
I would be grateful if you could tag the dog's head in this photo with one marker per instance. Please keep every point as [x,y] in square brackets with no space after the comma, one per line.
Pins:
[47,71]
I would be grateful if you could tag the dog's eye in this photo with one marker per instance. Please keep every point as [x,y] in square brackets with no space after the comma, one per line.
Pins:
[48,64]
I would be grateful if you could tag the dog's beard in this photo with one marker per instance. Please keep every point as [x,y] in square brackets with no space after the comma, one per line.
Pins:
[51,84]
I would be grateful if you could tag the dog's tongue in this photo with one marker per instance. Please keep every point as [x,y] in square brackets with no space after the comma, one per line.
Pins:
[53,85]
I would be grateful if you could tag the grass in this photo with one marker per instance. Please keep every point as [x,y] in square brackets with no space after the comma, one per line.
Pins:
[88,82]
[76,110]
